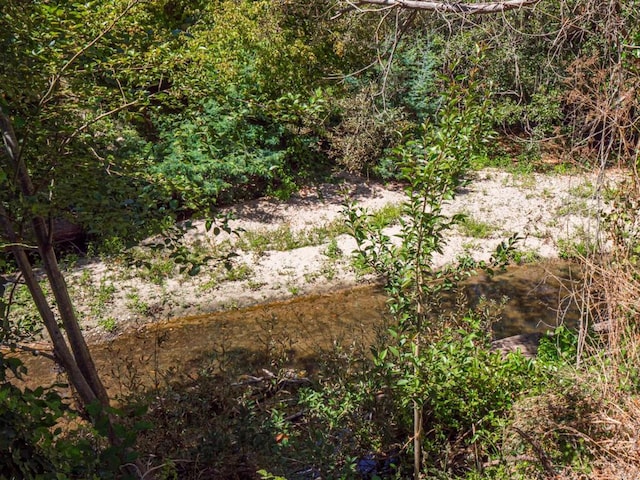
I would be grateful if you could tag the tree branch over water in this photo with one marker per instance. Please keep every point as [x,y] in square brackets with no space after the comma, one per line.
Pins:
[442,7]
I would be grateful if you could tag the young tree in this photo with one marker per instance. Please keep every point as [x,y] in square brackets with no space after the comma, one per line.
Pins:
[433,167]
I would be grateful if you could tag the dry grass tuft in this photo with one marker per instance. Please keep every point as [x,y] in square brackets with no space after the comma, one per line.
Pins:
[586,424]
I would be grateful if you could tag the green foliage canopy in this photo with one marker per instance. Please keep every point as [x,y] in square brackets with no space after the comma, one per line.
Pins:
[73,79]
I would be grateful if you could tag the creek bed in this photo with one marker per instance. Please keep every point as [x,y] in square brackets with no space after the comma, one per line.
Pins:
[536,298]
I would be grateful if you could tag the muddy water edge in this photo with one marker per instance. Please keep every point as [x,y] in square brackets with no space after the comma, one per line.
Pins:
[535,298]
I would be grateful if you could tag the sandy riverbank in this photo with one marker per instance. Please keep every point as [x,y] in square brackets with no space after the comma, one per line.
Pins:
[549,212]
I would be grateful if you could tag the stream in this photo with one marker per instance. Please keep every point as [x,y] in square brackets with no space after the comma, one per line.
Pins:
[535,296]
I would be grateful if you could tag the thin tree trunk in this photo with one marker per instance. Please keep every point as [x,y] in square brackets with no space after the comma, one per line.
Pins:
[66,310]
[60,348]
[419,323]
[417,439]
[82,357]
[78,362]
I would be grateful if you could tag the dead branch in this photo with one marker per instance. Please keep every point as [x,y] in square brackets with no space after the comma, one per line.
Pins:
[443,7]
[542,455]
[36,352]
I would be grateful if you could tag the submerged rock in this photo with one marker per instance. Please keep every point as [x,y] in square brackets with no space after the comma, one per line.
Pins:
[526,343]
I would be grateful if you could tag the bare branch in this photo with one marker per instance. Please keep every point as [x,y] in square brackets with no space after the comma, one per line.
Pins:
[18,244]
[445,7]
[9,139]
[113,111]
[53,83]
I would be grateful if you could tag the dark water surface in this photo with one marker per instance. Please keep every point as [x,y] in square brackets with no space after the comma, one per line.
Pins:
[536,296]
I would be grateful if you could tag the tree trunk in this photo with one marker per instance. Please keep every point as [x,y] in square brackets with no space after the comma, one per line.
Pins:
[76,361]
[81,357]
[66,310]
[417,439]
[60,348]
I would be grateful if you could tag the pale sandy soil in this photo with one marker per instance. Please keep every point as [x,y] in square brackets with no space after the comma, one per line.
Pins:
[547,212]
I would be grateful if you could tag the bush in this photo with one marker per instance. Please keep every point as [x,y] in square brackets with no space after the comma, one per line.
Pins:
[364,135]
[32,443]
[239,149]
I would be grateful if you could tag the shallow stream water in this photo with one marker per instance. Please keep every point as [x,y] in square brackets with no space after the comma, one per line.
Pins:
[536,298]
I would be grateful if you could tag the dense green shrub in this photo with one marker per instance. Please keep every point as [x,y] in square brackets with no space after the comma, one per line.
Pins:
[43,437]
[414,80]
[468,391]
[32,443]
[238,149]
[363,135]
[562,72]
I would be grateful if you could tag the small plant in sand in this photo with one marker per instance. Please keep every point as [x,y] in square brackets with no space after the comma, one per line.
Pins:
[472,227]
[101,297]
[153,267]
[285,237]
[522,256]
[584,190]
[386,216]
[20,318]
[575,206]
[109,324]
[333,251]
[136,304]
[580,245]
[521,177]
[237,272]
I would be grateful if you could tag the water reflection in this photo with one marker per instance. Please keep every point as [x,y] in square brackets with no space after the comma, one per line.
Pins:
[538,297]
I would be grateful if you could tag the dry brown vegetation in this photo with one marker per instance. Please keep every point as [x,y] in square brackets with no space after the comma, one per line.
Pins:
[587,424]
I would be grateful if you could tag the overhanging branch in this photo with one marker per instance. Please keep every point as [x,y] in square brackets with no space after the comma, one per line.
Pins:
[447,7]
